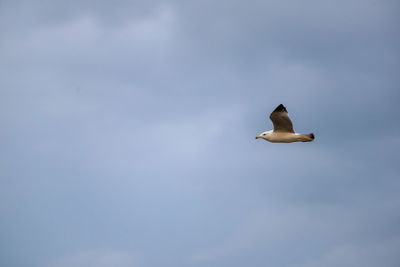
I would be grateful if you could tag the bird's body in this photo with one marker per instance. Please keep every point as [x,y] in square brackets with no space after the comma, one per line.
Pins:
[283,129]
[284,137]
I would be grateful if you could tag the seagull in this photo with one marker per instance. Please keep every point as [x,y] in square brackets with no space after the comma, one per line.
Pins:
[283,129]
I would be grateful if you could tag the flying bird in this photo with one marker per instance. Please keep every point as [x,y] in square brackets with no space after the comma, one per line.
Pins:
[283,129]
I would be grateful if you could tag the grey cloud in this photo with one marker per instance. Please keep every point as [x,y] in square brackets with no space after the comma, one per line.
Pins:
[128,133]
[98,259]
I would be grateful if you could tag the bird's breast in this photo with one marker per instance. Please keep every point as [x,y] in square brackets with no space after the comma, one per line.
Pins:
[283,137]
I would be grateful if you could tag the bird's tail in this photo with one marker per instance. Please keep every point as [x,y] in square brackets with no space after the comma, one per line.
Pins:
[307,137]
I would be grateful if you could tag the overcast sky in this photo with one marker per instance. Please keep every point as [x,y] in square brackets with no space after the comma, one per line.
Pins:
[127,133]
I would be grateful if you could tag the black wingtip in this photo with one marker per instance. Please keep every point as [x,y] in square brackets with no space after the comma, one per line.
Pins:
[280,108]
[312,136]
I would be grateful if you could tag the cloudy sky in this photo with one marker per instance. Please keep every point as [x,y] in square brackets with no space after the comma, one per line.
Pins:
[127,133]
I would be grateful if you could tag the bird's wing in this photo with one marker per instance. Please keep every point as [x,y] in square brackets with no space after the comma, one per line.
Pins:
[280,119]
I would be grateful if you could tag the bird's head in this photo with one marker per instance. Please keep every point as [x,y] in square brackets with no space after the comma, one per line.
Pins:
[264,135]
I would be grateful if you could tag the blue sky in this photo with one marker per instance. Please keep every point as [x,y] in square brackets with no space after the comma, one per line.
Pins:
[128,133]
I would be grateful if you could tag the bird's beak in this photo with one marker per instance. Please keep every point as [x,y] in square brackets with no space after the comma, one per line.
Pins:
[258,136]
